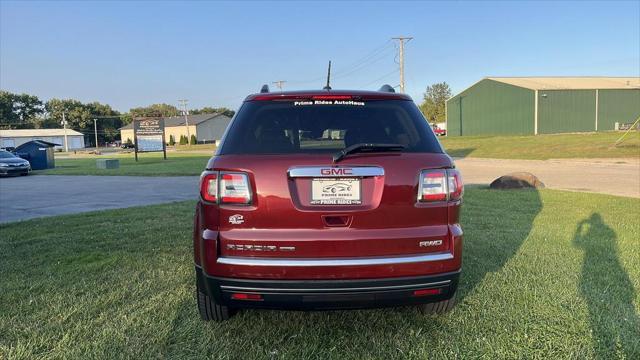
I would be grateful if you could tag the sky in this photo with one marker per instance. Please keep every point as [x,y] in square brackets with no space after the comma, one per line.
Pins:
[130,54]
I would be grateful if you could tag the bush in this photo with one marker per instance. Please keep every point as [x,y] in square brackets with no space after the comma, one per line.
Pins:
[183,140]
[193,140]
[172,140]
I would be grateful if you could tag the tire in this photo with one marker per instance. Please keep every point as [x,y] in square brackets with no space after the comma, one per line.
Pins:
[438,308]
[209,310]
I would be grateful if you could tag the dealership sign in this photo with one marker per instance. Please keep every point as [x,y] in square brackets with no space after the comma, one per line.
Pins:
[149,135]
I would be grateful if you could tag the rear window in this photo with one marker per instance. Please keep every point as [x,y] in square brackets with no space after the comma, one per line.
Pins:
[298,127]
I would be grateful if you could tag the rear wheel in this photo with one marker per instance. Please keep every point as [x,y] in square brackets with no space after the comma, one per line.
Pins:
[440,307]
[210,310]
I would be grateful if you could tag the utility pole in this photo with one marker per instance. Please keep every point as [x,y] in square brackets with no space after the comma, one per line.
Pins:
[183,103]
[279,84]
[64,125]
[95,131]
[402,39]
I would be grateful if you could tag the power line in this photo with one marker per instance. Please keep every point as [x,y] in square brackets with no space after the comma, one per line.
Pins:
[380,78]
[373,54]
[370,58]
[364,65]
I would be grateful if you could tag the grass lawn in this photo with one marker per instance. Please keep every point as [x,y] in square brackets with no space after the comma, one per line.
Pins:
[191,161]
[149,164]
[546,275]
[541,147]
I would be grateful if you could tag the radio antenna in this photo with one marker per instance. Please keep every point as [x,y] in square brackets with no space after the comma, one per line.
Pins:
[328,86]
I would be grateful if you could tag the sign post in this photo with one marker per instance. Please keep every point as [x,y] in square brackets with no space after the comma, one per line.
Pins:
[148,135]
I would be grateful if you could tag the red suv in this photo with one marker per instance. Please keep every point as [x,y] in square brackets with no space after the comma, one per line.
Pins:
[327,200]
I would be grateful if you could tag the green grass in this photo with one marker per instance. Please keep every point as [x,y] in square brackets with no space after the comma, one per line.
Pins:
[546,275]
[210,148]
[541,147]
[182,162]
[150,164]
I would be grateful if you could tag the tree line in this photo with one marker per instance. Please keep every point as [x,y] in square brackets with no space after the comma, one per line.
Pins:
[25,111]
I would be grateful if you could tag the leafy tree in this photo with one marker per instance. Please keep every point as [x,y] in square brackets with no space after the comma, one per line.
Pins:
[193,140]
[435,98]
[210,110]
[19,110]
[77,114]
[155,110]
[80,117]
[109,121]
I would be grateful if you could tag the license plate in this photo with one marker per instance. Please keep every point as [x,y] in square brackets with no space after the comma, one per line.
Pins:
[335,192]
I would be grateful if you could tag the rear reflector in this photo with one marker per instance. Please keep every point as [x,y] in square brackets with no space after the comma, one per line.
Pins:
[234,188]
[209,186]
[440,185]
[427,292]
[243,296]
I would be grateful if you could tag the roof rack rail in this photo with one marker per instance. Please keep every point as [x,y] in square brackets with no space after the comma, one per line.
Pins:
[387,88]
[264,89]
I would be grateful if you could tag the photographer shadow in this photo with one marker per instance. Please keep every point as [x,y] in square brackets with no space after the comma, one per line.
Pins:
[607,290]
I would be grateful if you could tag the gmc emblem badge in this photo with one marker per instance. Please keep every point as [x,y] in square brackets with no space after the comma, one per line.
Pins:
[336,171]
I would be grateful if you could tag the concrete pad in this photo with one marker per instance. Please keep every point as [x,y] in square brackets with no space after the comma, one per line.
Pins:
[607,176]
[27,197]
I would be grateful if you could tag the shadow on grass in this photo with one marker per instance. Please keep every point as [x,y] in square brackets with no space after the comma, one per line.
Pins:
[496,223]
[460,153]
[607,290]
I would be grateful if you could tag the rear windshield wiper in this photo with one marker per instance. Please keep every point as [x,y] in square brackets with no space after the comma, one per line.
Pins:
[362,147]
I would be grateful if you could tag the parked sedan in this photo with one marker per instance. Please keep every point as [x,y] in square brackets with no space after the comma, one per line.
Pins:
[13,165]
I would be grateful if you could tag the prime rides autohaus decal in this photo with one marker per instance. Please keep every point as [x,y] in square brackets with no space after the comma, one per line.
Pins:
[328,102]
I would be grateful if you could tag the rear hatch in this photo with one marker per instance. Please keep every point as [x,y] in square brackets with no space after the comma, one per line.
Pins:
[303,204]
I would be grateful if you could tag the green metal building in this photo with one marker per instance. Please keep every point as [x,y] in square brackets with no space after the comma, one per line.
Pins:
[543,105]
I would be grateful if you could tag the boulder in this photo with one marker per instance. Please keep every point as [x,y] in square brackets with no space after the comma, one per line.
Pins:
[517,180]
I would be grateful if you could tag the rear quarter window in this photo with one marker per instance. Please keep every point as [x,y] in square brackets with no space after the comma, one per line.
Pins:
[293,127]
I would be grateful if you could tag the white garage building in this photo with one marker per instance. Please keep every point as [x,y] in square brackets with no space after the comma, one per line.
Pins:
[15,138]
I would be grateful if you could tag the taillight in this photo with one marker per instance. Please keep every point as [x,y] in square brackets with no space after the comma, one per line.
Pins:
[440,185]
[456,187]
[209,186]
[433,185]
[225,187]
[234,188]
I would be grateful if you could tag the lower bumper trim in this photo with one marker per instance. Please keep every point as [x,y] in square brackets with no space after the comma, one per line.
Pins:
[329,294]
[280,262]
[334,290]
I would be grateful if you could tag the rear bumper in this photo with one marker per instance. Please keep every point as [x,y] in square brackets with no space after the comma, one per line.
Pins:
[328,294]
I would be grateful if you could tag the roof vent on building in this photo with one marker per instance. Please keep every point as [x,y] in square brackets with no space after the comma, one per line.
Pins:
[264,89]
[387,88]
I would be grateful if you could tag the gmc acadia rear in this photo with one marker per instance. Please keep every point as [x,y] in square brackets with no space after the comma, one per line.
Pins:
[327,200]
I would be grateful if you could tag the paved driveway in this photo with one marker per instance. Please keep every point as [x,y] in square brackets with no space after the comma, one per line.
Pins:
[34,196]
[608,176]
